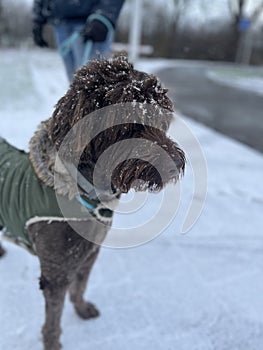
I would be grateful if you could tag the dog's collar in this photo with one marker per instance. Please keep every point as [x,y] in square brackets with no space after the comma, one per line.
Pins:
[99,211]
[86,204]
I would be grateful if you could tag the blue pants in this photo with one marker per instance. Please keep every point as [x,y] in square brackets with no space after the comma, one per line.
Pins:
[74,58]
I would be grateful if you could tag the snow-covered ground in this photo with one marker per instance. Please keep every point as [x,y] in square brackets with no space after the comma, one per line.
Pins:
[199,291]
[249,79]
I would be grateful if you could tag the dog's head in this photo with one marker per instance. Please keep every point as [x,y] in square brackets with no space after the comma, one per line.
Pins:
[112,106]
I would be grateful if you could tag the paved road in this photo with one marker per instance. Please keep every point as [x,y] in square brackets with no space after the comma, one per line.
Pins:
[232,111]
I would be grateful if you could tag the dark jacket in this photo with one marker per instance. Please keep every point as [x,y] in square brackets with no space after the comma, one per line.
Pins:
[59,10]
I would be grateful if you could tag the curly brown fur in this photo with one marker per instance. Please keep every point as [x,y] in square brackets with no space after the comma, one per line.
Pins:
[145,159]
[100,84]
[103,84]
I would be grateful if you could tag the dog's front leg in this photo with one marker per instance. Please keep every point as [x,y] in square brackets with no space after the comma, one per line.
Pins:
[54,302]
[77,288]
[50,244]
[61,253]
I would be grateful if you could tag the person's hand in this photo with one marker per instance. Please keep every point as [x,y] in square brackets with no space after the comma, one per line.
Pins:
[38,35]
[95,31]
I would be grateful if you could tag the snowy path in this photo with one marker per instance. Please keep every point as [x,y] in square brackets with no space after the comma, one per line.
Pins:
[200,291]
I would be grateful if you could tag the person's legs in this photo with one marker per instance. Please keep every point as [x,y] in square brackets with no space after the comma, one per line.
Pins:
[62,32]
[74,59]
[78,47]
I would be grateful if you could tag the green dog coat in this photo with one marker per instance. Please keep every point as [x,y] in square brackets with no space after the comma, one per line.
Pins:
[23,196]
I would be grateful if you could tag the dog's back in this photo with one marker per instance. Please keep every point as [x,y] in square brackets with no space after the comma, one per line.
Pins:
[22,194]
[12,163]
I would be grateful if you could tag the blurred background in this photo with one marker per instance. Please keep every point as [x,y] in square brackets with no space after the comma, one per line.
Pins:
[222,30]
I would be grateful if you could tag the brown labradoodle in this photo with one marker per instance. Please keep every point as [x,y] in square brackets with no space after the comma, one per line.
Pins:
[52,203]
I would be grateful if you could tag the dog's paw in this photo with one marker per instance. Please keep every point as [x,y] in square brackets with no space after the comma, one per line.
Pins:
[56,346]
[87,310]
